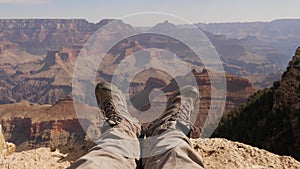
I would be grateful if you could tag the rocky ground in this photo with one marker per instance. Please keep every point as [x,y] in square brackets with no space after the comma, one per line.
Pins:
[217,153]
[40,158]
[221,153]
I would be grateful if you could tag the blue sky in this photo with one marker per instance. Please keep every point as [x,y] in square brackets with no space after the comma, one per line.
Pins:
[195,11]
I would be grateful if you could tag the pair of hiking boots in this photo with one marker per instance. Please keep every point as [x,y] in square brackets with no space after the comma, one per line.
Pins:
[177,114]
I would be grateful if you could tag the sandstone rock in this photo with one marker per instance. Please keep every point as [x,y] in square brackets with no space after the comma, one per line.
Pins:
[2,141]
[216,153]
[31,126]
[221,153]
[6,148]
[40,158]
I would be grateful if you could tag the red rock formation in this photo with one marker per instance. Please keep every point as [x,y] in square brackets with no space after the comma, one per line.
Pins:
[32,126]
[238,90]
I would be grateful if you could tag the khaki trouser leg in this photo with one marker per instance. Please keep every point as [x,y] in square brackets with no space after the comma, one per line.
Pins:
[170,150]
[114,150]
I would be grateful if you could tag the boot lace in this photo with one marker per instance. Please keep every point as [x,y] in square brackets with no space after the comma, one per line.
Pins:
[113,117]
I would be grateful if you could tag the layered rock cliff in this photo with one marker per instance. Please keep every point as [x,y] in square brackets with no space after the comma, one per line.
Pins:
[22,39]
[30,126]
[270,119]
[45,80]
[37,36]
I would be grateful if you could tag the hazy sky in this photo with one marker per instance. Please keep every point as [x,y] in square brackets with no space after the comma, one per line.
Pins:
[195,11]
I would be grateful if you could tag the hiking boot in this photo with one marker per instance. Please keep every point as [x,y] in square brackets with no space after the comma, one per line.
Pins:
[112,102]
[177,114]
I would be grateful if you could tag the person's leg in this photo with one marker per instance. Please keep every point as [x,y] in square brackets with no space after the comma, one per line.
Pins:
[118,146]
[167,145]
[171,150]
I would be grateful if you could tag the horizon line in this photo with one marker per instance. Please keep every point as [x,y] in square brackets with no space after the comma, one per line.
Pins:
[95,22]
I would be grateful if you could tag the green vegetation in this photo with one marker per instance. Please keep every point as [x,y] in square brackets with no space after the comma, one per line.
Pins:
[257,124]
[244,119]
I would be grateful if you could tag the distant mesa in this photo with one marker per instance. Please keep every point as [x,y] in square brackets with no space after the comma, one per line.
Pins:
[166,26]
[67,99]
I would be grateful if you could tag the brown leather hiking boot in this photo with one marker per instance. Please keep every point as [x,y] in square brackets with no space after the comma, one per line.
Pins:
[112,102]
[178,112]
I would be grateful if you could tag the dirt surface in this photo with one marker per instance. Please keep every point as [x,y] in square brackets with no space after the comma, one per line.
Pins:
[40,158]
[221,153]
[216,153]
